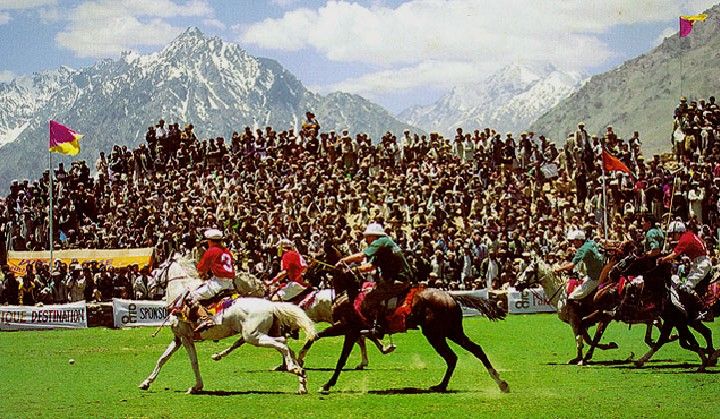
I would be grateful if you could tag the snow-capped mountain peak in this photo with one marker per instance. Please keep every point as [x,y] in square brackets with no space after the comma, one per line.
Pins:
[508,100]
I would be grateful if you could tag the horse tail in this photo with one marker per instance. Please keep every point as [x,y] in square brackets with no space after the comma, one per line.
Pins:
[293,317]
[486,307]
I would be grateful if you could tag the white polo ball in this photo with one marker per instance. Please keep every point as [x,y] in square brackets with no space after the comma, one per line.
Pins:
[71,361]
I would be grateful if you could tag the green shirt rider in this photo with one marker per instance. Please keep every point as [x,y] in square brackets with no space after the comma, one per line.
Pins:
[394,272]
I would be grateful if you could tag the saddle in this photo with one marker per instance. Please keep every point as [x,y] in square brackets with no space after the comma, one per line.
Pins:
[637,304]
[398,307]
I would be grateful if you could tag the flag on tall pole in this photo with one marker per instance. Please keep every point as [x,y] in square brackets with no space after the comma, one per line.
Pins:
[687,22]
[63,140]
[612,163]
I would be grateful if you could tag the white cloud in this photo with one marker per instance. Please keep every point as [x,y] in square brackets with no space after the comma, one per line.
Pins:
[431,41]
[25,4]
[106,27]
[284,3]
[669,31]
[214,23]
[4,18]
[6,76]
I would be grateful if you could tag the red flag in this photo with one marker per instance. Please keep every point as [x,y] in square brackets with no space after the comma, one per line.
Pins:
[612,163]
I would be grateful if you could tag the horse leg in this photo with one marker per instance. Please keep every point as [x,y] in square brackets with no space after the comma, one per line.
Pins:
[706,333]
[599,330]
[336,329]
[350,338]
[363,353]
[220,355]
[579,334]
[648,334]
[477,350]
[192,354]
[172,347]
[262,340]
[665,330]
[440,345]
[384,349]
[688,341]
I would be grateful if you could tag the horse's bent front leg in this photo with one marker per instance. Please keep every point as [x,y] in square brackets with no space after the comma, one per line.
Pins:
[220,355]
[662,339]
[384,349]
[192,354]
[337,329]
[172,347]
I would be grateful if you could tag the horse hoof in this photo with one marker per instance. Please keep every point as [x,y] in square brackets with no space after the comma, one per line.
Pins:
[439,388]
[280,368]
[216,357]
[613,345]
[582,362]
[144,386]
[194,390]
[639,364]
[389,349]
[504,387]
[574,361]
[324,390]
[360,367]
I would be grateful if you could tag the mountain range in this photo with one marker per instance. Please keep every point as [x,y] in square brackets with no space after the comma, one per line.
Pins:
[641,94]
[216,86]
[508,100]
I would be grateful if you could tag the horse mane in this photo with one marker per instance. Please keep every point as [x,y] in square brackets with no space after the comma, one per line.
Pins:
[187,264]
[550,281]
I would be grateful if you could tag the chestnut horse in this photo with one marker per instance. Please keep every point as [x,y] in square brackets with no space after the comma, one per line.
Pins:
[436,312]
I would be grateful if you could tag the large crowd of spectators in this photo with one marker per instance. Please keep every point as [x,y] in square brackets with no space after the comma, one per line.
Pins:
[470,211]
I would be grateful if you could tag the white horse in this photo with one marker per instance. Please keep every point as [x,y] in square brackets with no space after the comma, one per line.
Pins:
[254,319]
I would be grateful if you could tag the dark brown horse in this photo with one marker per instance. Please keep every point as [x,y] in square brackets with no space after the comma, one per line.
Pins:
[436,312]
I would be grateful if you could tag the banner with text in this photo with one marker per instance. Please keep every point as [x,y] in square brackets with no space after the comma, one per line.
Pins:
[528,301]
[130,313]
[66,316]
[474,293]
[17,261]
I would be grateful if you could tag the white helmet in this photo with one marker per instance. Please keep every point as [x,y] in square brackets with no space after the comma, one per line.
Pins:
[374,229]
[213,234]
[576,235]
[285,244]
[676,227]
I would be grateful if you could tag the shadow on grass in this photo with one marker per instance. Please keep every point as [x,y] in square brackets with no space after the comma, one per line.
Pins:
[235,393]
[410,390]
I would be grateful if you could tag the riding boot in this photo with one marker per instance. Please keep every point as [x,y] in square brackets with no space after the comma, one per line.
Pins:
[675,299]
[204,320]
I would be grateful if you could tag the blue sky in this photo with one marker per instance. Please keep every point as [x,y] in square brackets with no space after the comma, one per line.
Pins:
[396,53]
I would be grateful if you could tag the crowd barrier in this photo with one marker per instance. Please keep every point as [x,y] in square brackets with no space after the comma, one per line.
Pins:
[134,313]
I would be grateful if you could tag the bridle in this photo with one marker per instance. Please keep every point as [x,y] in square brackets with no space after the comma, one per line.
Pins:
[165,273]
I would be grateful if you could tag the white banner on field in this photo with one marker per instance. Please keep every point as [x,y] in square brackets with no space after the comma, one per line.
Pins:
[474,293]
[528,301]
[138,312]
[65,316]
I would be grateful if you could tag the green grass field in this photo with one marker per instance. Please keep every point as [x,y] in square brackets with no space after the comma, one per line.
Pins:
[529,351]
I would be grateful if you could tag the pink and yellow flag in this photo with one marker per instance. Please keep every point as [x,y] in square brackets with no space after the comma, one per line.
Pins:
[687,22]
[64,140]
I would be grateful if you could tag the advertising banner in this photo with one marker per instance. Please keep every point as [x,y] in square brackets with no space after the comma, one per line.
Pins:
[17,261]
[67,316]
[528,301]
[131,313]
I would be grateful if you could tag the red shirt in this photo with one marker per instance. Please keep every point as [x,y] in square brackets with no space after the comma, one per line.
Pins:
[219,261]
[294,265]
[691,245]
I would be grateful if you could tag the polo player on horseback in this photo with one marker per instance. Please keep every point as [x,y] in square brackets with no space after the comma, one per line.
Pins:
[217,266]
[290,278]
[394,277]
[588,253]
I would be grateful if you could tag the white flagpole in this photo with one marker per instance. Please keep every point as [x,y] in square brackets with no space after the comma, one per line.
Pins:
[51,214]
[605,222]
